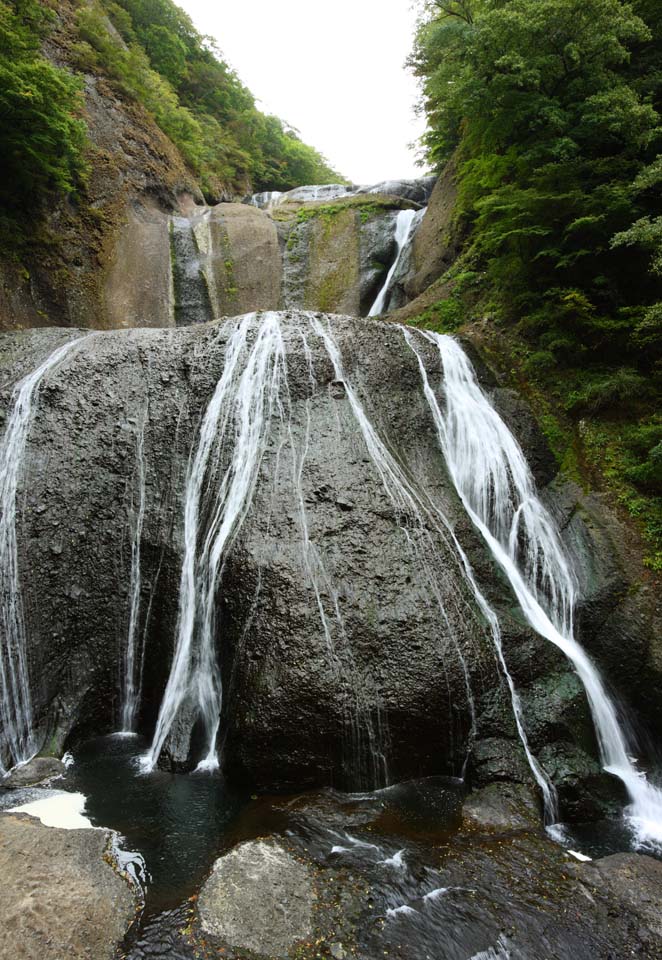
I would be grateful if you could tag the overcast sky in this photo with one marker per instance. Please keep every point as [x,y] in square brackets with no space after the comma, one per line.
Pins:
[333,71]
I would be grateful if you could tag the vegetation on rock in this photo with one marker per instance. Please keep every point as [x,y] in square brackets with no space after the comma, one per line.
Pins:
[152,49]
[42,135]
[151,53]
[551,110]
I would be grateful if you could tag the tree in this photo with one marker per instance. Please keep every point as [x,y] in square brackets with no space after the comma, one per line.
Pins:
[42,135]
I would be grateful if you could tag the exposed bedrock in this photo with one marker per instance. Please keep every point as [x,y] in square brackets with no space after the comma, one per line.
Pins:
[59,895]
[200,263]
[341,626]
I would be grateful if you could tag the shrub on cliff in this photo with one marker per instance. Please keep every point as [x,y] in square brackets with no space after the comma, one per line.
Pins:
[42,138]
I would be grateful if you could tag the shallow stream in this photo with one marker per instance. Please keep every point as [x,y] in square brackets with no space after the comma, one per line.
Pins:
[396,873]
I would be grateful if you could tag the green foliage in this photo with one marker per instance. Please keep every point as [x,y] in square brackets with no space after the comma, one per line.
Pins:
[42,138]
[153,51]
[552,112]
[557,133]
[609,392]
[445,316]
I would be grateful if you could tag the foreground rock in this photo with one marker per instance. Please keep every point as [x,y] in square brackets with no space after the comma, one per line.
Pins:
[258,898]
[32,773]
[633,883]
[502,806]
[394,879]
[58,897]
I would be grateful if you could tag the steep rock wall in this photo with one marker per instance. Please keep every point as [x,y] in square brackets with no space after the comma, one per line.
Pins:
[295,710]
[135,173]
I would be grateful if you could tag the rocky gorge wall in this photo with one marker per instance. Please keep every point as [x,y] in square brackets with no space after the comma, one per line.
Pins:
[307,697]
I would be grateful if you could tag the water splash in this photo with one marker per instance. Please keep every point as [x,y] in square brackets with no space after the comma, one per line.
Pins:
[495,483]
[16,702]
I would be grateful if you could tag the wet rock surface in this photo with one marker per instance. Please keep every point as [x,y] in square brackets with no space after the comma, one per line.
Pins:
[258,898]
[392,877]
[502,806]
[633,883]
[309,700]
[58,895]
[36,771]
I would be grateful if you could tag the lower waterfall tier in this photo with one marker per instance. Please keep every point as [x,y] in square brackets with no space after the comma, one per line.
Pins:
[347,638]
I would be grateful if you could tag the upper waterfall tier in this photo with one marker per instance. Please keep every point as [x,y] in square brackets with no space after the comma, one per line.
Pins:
[266,498]
[325,248]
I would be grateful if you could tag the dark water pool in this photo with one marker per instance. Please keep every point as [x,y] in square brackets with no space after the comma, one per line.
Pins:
[177,823]
[396,875]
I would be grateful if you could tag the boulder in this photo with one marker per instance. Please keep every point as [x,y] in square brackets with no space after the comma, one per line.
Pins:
[258,898]
[502,807]
[36,771]
[59,896]
[346,633]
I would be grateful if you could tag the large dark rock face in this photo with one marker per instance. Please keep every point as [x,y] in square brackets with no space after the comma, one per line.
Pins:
[309,699]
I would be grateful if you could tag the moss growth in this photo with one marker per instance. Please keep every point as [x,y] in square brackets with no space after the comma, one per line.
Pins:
[366,206]
[333,259]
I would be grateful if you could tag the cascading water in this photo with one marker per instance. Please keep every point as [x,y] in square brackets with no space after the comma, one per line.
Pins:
[265,200]
[16,703]
[495,483]
[368,763]
[191,286]
[406,223]
[239,413]
[417,515]
[252,392]
[546,787]
[313,193]
[134,651]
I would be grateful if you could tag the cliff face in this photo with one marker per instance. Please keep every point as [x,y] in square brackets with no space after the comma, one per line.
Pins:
[201,263]
[346,628]
[136,177]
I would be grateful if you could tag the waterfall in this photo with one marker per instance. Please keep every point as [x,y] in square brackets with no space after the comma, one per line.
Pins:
[265,200]
[239,414]
[369,759]
[406,222]
[417,516]
[16,703]
[134,652]
[314,193]
[546,787]
[190,281]
[495,483]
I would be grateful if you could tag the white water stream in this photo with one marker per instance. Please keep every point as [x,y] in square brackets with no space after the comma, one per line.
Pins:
[368,760]
[406,222]
[133,657]
[495,483]
[239,415]
[15,700]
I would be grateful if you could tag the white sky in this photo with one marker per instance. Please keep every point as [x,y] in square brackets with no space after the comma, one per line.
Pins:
[335,72]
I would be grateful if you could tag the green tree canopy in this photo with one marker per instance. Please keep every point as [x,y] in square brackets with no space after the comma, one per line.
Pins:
[42,138]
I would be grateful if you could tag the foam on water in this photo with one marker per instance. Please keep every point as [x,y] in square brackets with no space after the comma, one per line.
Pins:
[62,810]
